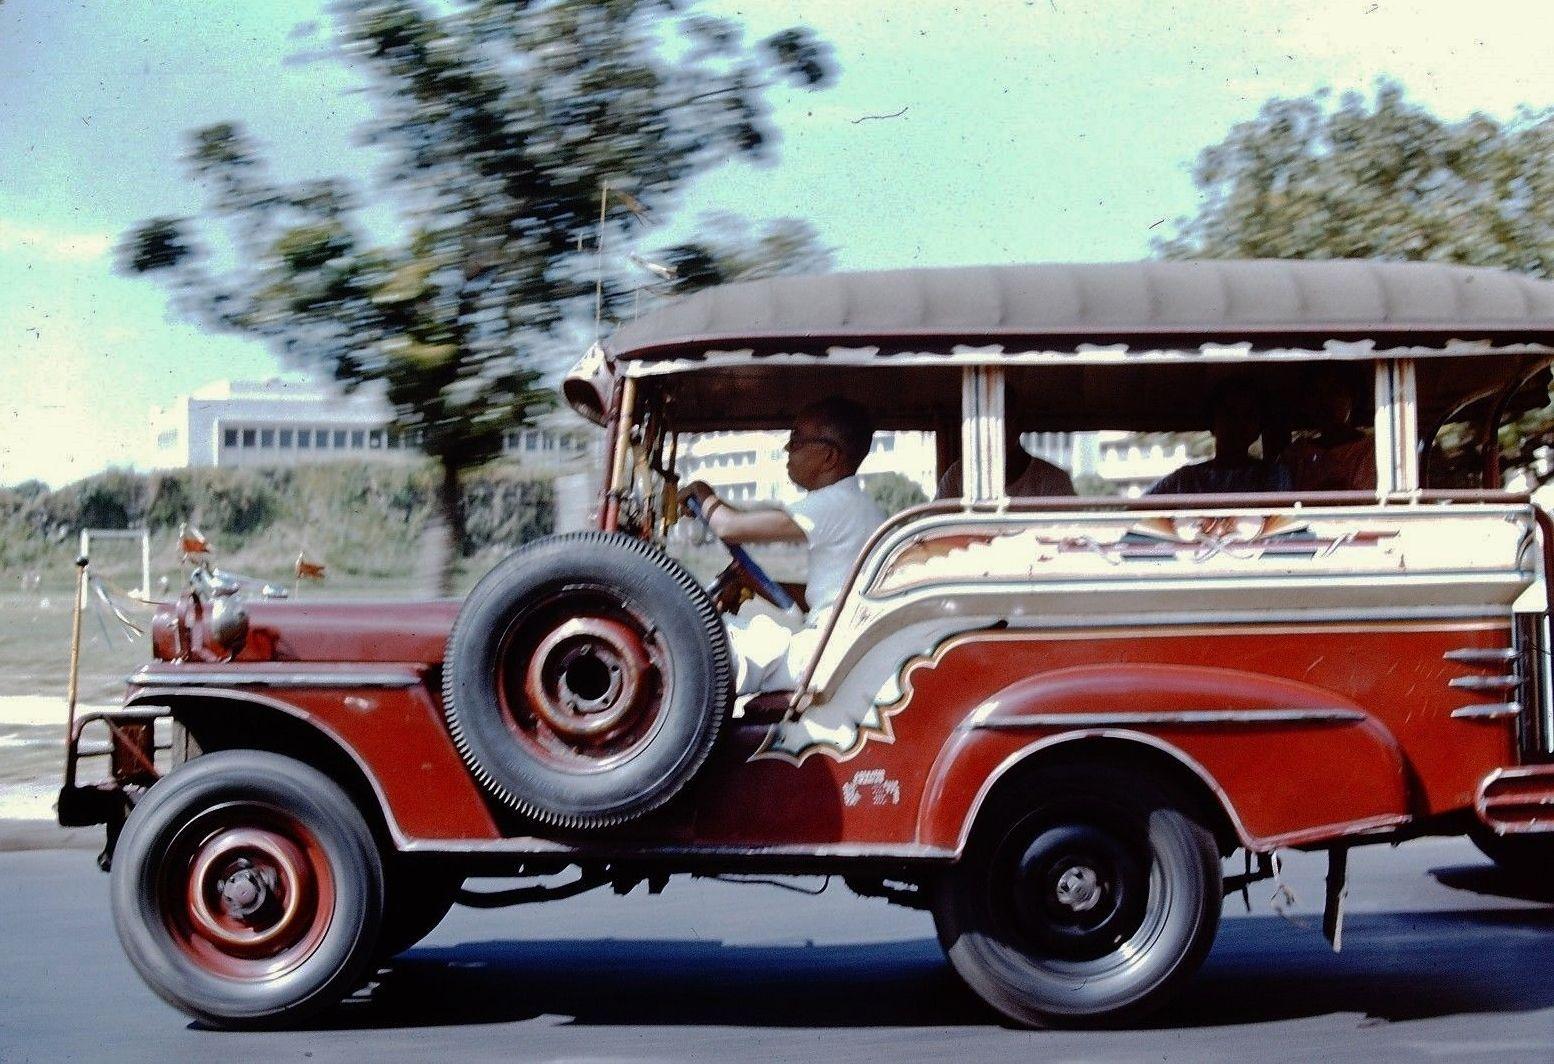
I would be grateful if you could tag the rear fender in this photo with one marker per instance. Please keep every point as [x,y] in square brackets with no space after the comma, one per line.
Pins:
[1285,762]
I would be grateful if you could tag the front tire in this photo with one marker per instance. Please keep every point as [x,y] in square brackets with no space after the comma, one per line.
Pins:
[1086,896]
[247,890]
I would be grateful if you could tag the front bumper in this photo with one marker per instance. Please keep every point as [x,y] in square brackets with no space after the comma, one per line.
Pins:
[131,744]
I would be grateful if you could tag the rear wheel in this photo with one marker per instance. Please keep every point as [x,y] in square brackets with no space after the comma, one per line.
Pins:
[1086,895]
[247,890]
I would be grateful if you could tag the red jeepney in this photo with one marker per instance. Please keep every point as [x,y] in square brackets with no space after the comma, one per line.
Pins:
[1048,721]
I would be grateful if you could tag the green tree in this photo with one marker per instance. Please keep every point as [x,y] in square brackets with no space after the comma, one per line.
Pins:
[501,126]
[1380,178]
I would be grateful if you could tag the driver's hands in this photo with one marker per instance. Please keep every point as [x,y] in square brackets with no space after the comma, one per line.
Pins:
[730,592]
[700,490]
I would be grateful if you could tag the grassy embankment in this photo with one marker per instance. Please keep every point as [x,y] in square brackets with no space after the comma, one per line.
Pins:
[367,523]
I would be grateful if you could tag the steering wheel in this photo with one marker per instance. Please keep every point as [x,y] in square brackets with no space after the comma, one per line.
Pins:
[747,567]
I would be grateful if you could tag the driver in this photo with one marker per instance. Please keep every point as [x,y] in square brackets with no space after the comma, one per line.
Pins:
[834,519]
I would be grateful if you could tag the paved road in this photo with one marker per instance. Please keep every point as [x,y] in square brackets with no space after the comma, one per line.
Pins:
[1443,960]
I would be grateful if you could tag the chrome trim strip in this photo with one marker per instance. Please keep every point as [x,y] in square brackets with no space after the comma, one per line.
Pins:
[1489,711]
[522,845]
[1507,682]
[1544,671]
[247,678]
[1125,718]
[1483,655]
[1519,801]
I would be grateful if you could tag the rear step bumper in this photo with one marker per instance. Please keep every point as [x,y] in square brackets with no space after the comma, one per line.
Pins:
[1517,801]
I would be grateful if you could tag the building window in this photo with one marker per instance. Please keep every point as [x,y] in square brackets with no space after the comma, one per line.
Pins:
[304,438]
[229,438]
[250,437]
[339,439]
[266,437]
[375,439]
[285,440]
[358,440]
[393,441]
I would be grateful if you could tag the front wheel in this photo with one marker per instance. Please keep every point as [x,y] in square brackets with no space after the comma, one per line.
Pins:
[247,890]
[1086,896]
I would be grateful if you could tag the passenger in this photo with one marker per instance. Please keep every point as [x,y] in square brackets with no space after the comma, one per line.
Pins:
[835,519]
[1235,418]
[1039,477]
[1339,457]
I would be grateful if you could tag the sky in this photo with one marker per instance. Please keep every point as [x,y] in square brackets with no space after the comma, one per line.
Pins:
[1020,131]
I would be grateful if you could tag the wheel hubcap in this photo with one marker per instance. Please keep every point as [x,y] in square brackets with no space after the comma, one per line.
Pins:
[581,680]
[249,892]
[1074,890]
[586,677]
[1079,888]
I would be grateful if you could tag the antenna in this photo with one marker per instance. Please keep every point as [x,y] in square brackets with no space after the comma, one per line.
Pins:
[604,199]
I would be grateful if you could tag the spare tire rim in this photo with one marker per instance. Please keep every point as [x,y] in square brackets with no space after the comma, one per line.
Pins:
[586,677]
[247,892]
[581,680]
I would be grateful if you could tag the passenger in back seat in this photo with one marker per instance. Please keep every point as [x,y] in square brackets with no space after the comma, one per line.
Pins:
[1236,419]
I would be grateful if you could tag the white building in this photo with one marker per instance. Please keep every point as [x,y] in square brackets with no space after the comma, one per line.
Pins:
[751,466]
[1133,461]
[291,420]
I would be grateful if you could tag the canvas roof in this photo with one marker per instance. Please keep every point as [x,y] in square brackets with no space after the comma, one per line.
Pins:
[1063,306]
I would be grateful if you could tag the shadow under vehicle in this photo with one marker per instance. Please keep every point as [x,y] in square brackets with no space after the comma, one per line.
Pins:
[1046,720]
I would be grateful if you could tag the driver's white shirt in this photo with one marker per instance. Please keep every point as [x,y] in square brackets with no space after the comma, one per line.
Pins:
[837,520]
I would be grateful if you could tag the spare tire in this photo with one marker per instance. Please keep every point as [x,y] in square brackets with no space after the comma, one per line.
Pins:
[586,680]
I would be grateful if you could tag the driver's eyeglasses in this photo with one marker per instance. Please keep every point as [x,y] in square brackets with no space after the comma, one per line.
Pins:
[795,442]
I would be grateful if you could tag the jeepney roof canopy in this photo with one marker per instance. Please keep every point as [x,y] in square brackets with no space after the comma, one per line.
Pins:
[1134,313]
[1058,306]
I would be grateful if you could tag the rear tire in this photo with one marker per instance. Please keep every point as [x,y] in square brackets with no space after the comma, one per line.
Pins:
[1086,896]
[247,890]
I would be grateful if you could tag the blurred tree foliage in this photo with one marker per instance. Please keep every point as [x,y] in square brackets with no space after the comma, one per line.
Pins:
[500,124]
[892,491]
[1383,178]
[1375,178]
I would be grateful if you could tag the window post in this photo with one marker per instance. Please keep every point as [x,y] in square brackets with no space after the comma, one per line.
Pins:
[1397,427]
[982,434]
